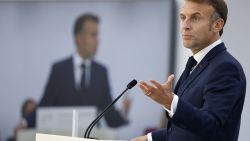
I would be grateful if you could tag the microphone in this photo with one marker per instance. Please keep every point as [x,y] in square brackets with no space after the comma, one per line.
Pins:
[90,127]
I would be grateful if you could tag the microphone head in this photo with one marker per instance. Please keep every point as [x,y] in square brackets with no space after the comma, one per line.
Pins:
[131,84]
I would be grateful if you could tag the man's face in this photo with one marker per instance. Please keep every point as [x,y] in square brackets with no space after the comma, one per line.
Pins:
[87,39]
[196,27]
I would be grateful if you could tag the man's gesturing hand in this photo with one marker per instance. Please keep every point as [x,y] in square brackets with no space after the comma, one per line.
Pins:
[161,93]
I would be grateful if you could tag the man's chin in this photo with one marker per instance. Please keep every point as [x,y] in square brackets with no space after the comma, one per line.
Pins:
[91,56]
[187,45]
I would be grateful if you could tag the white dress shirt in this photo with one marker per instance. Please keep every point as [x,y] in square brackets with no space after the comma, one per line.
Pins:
[198,57]
[77,68]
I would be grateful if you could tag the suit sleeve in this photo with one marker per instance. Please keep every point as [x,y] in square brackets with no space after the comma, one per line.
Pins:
[50,91]
[222,97]
[113,117]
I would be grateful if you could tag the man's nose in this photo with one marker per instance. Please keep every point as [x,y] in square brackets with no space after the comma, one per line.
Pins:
[186,25]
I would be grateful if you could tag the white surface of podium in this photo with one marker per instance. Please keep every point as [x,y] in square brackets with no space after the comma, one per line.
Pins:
[30,134]
[47,137]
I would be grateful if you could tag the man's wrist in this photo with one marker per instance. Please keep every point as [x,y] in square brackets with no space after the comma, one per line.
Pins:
[173,106]
[168,104]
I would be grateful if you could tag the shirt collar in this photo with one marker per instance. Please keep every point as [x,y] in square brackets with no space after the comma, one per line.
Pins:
[78,60]
[201,54]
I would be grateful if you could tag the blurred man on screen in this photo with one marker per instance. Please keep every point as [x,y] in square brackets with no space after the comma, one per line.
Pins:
[78,80]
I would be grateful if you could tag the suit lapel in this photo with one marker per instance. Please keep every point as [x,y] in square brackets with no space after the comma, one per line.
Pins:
[178,84]
[71,75]
[180,88]
[200,67]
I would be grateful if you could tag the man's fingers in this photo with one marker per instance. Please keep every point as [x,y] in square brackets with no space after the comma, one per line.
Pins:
[147,87]
[170,80]
[157,84]
[144,88]
[160,93]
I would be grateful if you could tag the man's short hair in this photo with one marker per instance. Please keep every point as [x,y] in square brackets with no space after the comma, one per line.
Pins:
[81,20]
[220,7]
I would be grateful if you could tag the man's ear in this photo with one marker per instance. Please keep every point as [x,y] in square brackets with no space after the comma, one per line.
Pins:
[78,37]
[218,25]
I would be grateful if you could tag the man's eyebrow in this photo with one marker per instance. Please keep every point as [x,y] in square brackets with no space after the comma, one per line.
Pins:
[193,14]
[196,14]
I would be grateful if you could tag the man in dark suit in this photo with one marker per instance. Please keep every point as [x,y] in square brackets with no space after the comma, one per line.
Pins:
[207,101]
[79,80]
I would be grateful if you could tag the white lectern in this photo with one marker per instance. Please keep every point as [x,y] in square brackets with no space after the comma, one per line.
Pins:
[47,137]
[51,120]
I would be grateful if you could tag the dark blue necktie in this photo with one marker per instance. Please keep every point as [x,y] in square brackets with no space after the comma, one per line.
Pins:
[83,78]
[190,64]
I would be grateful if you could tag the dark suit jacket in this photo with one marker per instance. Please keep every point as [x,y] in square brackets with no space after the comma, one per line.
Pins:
[61,91]
[210,101]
